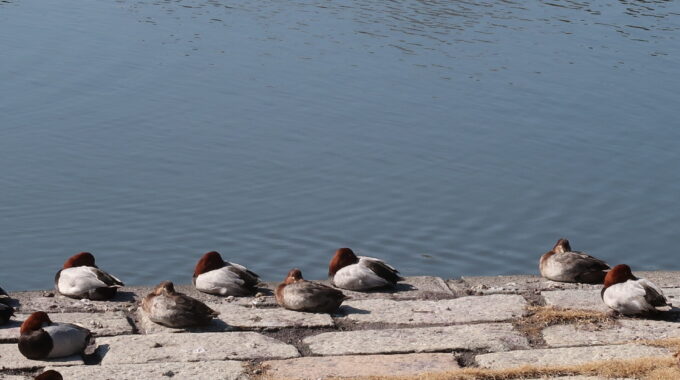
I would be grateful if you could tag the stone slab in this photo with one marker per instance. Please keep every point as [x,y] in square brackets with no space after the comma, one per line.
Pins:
[576,299]
[491,308]
[312,368]
[133,349]
[626,330]
[491,337]
[482,285]
[567,356]
[580,378]
[11,358]
[101,324]
[216,370]
[29,302]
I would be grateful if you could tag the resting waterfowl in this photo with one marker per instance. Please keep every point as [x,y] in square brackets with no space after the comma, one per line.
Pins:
[4,297]
[349,271]
[6,312]
[49,375]
[564,265]
[296,293]
[80,278]
[43,339]
[169,308]
[630,295]
[213,275]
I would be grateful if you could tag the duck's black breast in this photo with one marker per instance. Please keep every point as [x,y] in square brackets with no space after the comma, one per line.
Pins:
[35,345]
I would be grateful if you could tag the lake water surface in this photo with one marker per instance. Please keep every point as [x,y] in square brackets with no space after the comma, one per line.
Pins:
[448,137]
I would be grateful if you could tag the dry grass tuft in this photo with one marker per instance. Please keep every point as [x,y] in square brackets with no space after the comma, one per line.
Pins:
[654,368]
[550,315]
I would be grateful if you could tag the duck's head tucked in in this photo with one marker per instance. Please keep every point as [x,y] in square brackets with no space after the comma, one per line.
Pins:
[35,322]
[562,245]
[82,259]
[619,274]
[342,258]
[210,261]
[165,287]
[294,275]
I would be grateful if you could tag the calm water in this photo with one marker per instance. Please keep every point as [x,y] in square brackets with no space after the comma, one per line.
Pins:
[449,137]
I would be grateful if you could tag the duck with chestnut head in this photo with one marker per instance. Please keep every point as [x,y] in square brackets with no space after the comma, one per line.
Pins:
[349,271]
[49,375]
[43,339]
[81,278]
[296,293]
[630,295]
[564,265]
[213,275]
[170,308]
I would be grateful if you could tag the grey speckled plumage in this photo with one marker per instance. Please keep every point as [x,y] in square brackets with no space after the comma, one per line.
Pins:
[169,308]
[564,265]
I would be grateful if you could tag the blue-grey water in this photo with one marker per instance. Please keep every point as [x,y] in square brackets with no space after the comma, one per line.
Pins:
[448,137]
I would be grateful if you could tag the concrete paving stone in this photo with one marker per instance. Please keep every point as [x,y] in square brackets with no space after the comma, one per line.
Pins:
[567,356]
[491,337]
[491,308]
[29,302]
[512,284]
[101,324]
[214,370]
[626,330]
[11,358]
[417,287]
[580,378]
[576,299]
[312,368]
[131,349]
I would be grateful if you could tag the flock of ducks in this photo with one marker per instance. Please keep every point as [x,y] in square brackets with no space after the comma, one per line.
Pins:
[40,338]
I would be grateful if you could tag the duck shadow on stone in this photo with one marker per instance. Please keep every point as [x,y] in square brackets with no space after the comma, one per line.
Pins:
[347,310]
[98,355]
[123,296]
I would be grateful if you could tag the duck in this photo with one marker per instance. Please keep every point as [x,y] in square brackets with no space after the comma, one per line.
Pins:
[81,278]
[296,293]
[170,308]
[629,295]
[6,312]
[349,271]
[213,275]
[4,297]
[49,375]
[40,338]
[564,265]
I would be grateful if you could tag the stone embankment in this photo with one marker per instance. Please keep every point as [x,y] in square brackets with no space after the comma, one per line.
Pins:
[427,325]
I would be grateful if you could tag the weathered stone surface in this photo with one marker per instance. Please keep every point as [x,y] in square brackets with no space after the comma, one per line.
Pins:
[511,284]
[29,302]
[576,299]
[625,331]
[567,356]
[492,337]
[212,370]
[11,358]
[491,308]
[130,349]
[362,365]
[579,378]
[101,324]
